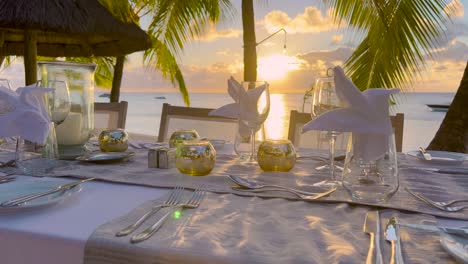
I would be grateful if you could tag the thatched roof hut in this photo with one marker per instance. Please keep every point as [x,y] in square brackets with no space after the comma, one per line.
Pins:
[65,28]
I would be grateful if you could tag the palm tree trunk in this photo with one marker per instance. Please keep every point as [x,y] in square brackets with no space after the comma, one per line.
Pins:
[453,131]
[2,58]
[117,81]
[250,43]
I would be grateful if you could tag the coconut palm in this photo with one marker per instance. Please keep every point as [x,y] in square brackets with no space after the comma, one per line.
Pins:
[173,24]
[396,36]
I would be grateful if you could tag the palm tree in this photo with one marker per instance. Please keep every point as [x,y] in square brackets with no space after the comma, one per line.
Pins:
[250,42]
[173,24]
[397,34]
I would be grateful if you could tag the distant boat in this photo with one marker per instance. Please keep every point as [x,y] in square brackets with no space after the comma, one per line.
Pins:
[106,95]
[160,97]
[438,107]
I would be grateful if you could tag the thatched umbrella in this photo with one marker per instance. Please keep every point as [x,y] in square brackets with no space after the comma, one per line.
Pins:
[64,28]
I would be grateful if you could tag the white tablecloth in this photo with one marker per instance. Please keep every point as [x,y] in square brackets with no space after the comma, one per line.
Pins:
[58,234]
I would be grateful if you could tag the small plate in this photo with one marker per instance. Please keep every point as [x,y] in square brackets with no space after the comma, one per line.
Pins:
[27,185]
[441,157]
[106,157]
[455,245]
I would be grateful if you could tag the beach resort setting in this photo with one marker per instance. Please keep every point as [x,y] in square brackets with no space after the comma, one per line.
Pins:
[233,131]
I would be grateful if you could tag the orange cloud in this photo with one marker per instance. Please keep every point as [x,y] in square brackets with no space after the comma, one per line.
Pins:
[310,21]
[212,33]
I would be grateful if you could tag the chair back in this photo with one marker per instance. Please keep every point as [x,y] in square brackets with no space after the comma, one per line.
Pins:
[180,117]
[318,140]
[110,115]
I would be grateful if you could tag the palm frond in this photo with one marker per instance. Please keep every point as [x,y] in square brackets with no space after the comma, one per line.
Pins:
[399,34]
[104,71]
[161,58]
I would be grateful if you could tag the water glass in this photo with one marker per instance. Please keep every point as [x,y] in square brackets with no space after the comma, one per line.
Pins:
[276,155]
[196,158]
[180,136]
[370,171]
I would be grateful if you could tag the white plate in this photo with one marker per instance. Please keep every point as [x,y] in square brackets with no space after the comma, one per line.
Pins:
[456,246]
[106,157]
[441,157]
[27,185]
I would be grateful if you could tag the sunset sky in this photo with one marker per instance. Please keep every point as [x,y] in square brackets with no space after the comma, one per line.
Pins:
[314,43]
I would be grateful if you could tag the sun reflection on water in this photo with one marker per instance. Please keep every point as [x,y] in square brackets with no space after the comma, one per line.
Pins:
[275,124]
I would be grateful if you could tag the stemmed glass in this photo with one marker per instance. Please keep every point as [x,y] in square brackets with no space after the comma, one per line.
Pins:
[324,100]
[58,104]
[254,109]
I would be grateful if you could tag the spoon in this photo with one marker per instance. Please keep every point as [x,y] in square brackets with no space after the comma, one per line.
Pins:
[256,185]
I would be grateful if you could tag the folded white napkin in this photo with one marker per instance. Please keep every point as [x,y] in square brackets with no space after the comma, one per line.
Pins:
[366,114]
[22,113]
[233,110]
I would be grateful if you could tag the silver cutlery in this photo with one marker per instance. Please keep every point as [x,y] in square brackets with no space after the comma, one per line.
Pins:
[29,197]
[426,155]
[252,185]
[450,230]
[392,234]
[372,227]
[434,204]
[192,203]
[311,196]
[172,200]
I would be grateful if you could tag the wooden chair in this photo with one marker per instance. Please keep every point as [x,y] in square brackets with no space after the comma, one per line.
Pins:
[181,117]
[297,120]
[110,115]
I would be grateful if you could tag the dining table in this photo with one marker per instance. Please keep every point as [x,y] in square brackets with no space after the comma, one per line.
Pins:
[230,225]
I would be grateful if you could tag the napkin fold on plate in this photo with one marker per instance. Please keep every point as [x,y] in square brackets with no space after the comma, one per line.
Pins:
[237,92]
[23,114]
[365,114]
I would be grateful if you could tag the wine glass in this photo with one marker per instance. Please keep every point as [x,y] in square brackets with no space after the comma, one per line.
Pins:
[254,109]
[324,100]
[58,104]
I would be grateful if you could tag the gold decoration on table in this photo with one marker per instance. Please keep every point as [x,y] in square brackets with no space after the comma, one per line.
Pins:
[183,135]
[276,155]
[196,158]
[113,140]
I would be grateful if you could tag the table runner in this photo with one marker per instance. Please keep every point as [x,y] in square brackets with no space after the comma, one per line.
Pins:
[302,176]
[231,229]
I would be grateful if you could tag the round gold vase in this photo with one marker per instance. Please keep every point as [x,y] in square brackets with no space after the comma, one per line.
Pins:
[196,158]
[276,155]
[113,140]
[183,135]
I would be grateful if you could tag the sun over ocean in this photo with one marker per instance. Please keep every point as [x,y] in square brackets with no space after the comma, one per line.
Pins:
[421,123]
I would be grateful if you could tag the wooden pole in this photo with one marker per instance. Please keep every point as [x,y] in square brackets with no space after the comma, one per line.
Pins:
[117,81]
[30,56]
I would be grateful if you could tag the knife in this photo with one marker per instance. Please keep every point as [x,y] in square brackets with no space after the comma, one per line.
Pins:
[372,227]
[392,234]
[451,230]
[29,197]
[459,170]
[425,154]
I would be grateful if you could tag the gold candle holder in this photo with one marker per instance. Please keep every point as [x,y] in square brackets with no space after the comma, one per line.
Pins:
[276,155]
[113,140]
[180,136]
[196,158]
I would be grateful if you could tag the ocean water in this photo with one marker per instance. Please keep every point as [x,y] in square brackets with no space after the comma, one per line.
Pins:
[421,123]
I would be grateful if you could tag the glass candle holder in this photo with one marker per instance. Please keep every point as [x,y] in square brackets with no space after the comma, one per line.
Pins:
[276,155]
[180,136]
[196,158]
[113,140]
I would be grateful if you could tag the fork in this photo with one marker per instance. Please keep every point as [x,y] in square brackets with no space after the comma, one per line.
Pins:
[192,203]
[172,200]
[435,204]
[301,196]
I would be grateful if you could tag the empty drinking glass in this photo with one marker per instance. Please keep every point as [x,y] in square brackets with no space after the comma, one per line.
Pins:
[371,172]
